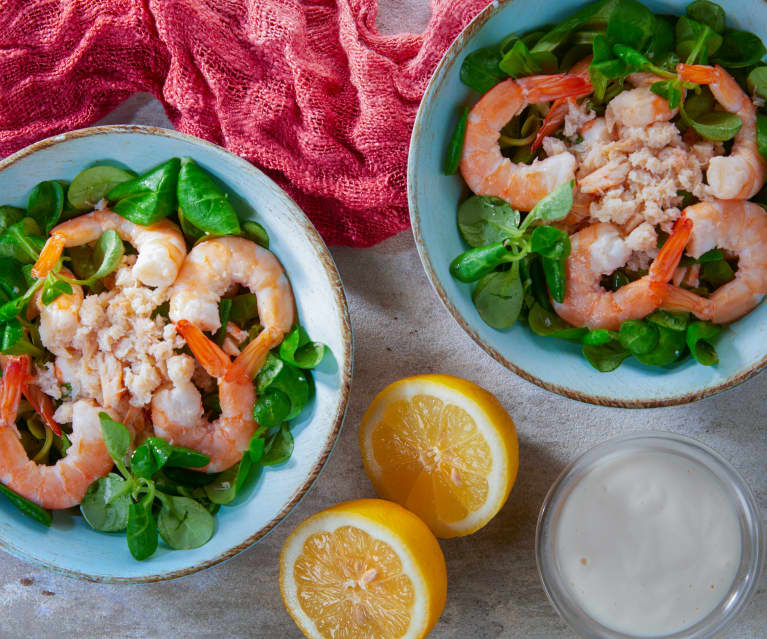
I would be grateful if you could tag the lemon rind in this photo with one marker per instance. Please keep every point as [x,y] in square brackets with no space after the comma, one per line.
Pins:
[330,522]
[498,479]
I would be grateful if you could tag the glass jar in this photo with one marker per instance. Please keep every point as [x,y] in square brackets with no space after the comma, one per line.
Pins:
[749,518]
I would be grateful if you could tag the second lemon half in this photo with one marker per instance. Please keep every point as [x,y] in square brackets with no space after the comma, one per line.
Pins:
[444,448]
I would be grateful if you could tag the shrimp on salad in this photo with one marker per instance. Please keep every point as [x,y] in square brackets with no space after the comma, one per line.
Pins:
[638,107]
[740,175]
[63,484]
[60,319]
[486,170]
[161,246]
[94,373]
[740,228]
[177,411]
[589,230]
[211,268]
[599,250]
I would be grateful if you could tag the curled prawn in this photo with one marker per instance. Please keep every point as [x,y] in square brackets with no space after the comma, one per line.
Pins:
[177,411]
[211,268]
[161,246]
[63,484]
[598,250]
[738,227]
[740,175]
[486,170]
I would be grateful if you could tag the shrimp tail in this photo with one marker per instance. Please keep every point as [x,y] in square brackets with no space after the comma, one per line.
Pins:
[544,88]
[42,404]
[697,73]
[556,115]
[50,254]
[553,120]
[253,356]
[657,291]
[215,361]
[15,373]
[663,267]
[680,299]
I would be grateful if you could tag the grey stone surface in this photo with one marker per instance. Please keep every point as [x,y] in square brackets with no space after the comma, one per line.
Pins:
[400,329]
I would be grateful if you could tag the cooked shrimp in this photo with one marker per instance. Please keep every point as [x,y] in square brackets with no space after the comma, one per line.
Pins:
[64,484]
[486,170]
[211,268]
[738,227]
[177,411]
[637,107]
[740,175]
[600,249]
[60,319]
[161,246]
[560,107]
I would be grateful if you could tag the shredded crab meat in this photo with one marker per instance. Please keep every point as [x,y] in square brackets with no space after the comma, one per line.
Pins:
[119,352]
[45,378]
[632,176]
[577,116]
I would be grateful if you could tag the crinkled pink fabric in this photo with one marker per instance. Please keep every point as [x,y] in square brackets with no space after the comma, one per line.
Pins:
[307,90]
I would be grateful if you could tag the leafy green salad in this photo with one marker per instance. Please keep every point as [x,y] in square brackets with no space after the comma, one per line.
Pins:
[517,262]
[154,488]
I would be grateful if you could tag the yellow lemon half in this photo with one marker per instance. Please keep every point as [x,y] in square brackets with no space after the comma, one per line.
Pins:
[363,569]
[444,448]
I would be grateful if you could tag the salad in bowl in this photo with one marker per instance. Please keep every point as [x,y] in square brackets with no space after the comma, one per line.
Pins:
[613,159]
[153,358]
[613,171]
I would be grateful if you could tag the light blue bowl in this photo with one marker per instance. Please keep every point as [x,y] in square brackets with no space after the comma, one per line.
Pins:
[70,546]
[554,364]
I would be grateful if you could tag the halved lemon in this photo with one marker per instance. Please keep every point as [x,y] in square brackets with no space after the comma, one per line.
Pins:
[442,447]
[363,569]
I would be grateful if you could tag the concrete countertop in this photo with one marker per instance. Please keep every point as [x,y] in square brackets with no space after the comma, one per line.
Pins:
[400,329]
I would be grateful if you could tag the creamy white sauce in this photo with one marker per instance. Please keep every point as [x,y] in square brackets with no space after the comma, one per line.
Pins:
[649,543]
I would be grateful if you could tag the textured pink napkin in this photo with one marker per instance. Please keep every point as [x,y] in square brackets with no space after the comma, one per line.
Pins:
[307,90]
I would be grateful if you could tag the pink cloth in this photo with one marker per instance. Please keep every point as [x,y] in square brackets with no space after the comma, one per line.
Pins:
[307,90]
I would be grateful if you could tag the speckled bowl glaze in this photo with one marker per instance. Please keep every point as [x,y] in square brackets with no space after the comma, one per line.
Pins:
[70,546]
[553,364]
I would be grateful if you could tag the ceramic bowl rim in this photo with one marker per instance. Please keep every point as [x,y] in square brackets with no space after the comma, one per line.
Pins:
[432,88]
[340,303]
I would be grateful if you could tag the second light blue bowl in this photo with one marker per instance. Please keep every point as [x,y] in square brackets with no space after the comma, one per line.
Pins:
[554,364]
